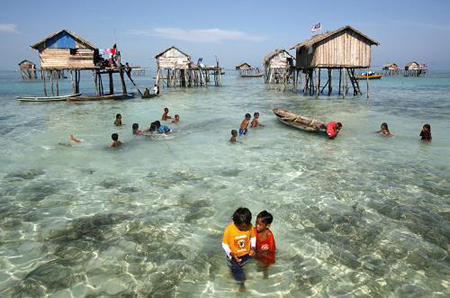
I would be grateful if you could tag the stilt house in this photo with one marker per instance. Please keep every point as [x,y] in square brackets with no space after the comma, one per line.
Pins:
[344,49]
[27,70]
[278,67]
[175,68]
[65,50]
[413,69]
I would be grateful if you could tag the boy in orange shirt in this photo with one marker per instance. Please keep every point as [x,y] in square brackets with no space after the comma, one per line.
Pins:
[244,124]
[239,243]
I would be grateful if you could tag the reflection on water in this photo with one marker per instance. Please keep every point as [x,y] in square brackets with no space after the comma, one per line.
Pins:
[360,216]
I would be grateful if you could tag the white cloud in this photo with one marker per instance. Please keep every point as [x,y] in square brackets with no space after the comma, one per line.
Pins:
[199,35]
[8,28]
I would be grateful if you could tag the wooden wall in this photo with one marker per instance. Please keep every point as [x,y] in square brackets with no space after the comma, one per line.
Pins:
[173,59]
[279,61]
[345,49]
[52,58]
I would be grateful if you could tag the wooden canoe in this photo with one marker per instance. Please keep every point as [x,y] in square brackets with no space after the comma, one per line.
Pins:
[376,76]
[253,75]
[300,122]
[47,98]
[102,97]
[148,96]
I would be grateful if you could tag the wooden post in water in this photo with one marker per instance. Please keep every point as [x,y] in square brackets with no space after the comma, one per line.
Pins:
[57,83]
[329,81]
[111,82]
[340,80]
[122,79]
[344,83]
[45,85]
[367,81]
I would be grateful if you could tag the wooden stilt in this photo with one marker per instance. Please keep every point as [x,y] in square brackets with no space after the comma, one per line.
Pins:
[340,80]
[57,83]
[122,80]
[329,81]
[344,83]
[45,85]
[111,82]
[367,81]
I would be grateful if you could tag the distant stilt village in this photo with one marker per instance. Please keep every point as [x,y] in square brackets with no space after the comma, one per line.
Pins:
[342,52]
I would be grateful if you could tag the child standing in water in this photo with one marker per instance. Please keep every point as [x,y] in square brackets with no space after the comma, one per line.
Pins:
[234,135]
[384,130]
[255,122]
[425,134]
[116,143]
[239,243]
[166,116]
[265,242]
[118,121]
[244,124]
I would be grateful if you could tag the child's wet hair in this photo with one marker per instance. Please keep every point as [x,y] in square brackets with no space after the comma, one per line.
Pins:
[177,116]
[166,109]
[385,125]
[266,217]
[242,216]
[427,126]
[118,115]
[115,137]
[135,126]
[248,115]
[234,132]
[339,124]
[255,114]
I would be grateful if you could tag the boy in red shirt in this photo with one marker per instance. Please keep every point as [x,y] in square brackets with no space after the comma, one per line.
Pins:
[239,243]
[265,242]
[333,129]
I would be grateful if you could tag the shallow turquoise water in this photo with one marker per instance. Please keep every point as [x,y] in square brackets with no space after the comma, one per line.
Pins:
[362,215]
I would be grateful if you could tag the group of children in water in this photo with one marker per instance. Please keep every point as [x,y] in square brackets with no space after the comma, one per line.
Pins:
[155,127]
[425,134]
[244,126]
[243,242]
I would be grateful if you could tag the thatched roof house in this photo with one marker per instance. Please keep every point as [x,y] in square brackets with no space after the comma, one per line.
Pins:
[26,64]
[344,47]
[412,66]
[390,66]
[278,59]
[243,66]
[66,50]
[173,58]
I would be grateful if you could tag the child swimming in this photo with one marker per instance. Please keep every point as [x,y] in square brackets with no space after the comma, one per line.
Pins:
[234,135]
[74,139]
[425,134]
[162,129]
[177,119]
[116,143]
[239,243]
[165,115]
[118,121]
[384,130]
[135,129]
[244,124]
[265,242]
[255,122]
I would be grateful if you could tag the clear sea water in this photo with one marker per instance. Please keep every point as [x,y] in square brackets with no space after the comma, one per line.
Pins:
[360,216]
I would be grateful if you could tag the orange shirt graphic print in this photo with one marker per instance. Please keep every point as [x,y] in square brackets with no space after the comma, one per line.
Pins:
[241,243]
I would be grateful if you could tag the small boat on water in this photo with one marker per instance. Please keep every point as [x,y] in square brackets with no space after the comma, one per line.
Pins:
[252,75]
[300,122]
[143,96]
[370,75]
[47,98]
[102,97]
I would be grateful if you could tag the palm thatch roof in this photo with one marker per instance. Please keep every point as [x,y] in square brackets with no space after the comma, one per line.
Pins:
[275,53]
[317,38]
[75,36]
[172,47]
[242,65]
[26,61]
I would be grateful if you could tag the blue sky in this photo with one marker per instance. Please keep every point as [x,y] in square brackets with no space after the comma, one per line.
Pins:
[234,30]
